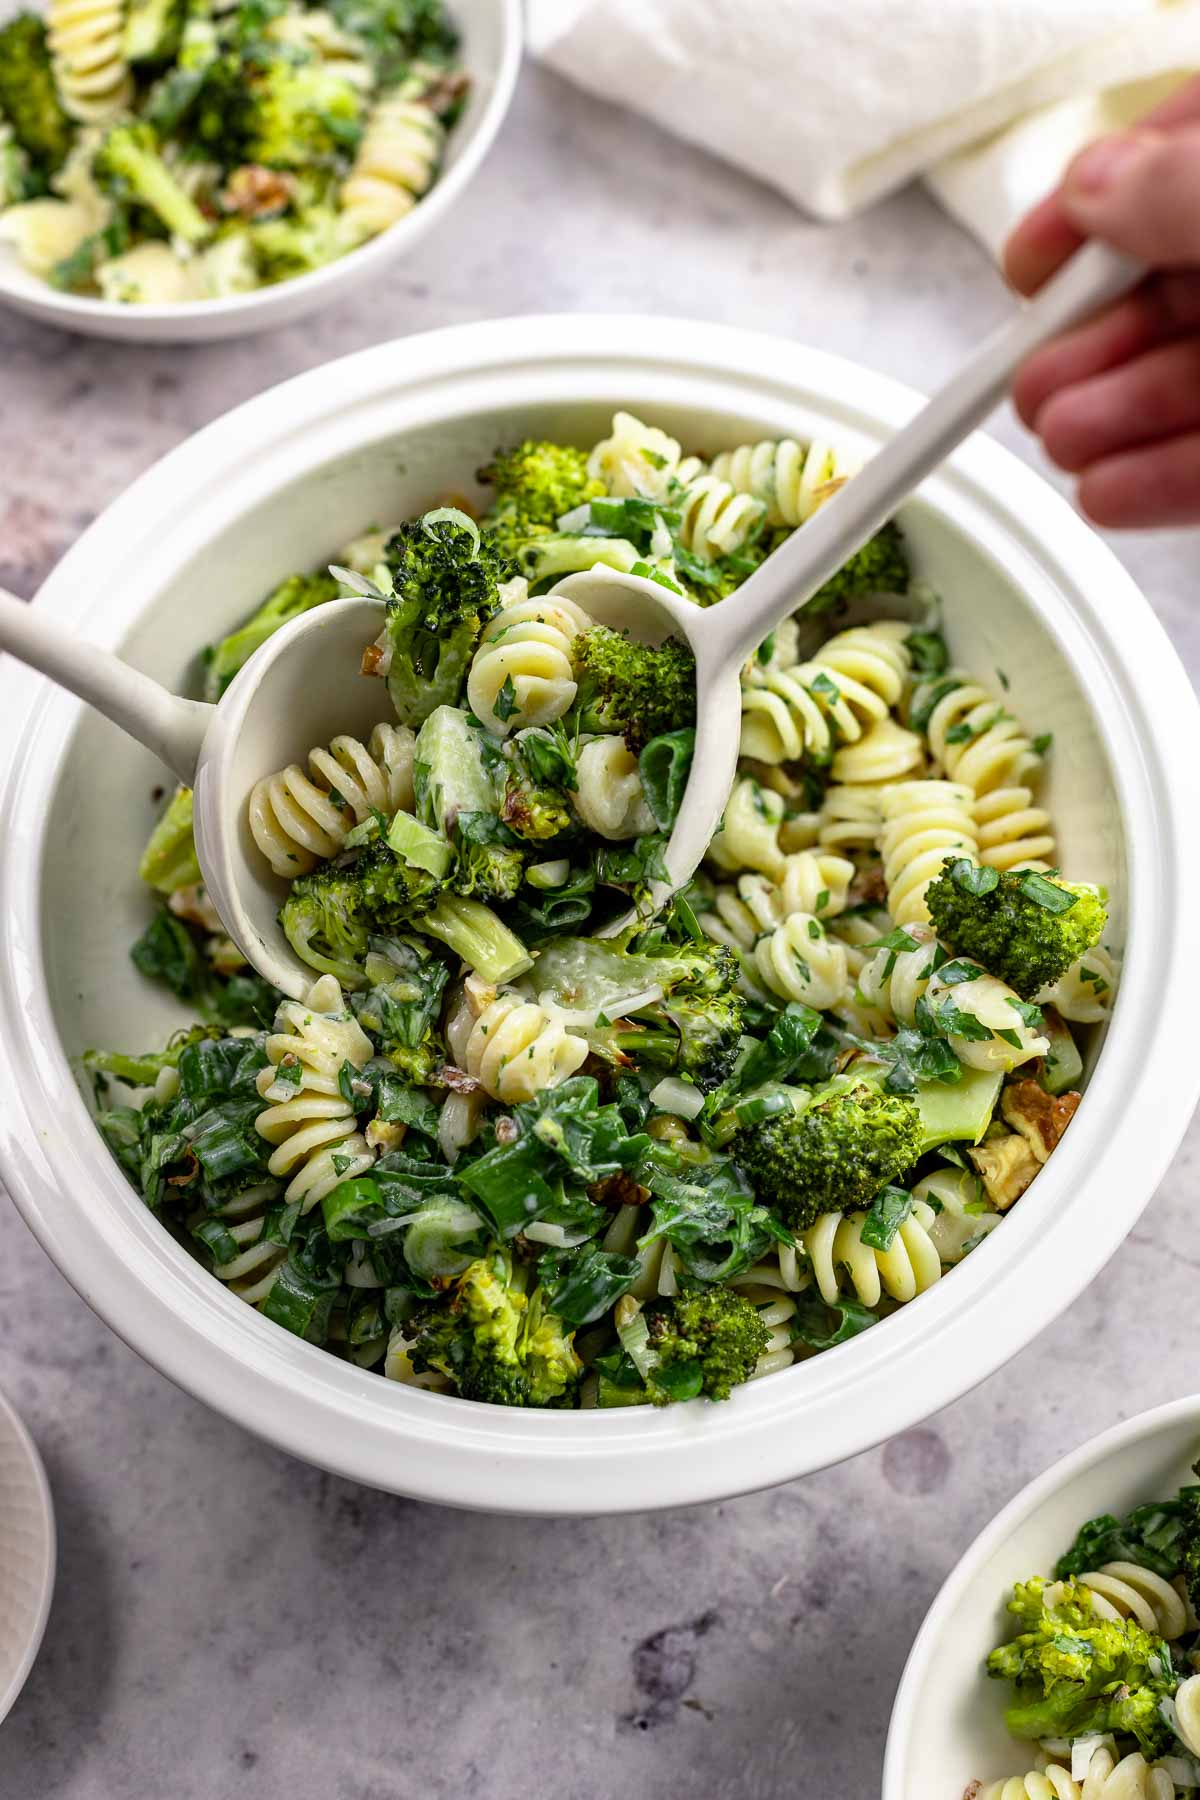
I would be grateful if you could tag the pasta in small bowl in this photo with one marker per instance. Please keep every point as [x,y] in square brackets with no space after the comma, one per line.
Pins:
[765,1176]
[1059,1660]
[182,170]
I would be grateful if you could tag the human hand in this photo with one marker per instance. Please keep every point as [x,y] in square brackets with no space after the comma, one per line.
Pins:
[1116,401]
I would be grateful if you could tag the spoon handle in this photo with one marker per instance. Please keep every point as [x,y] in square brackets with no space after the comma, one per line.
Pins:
[172,728]
[792,575]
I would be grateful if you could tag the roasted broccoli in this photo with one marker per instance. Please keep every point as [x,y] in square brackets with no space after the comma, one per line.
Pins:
[152,30]
[169,859]
[294,595]
[840,1144]
[535,484]
[330,914]
[541,775]
[705,1342]
[696,1028]
[305,239]
[640,690]
[28,97]
[494,1342]
[880,567]
[1076,1673]
[1025,927]
[445,578]
[129,166]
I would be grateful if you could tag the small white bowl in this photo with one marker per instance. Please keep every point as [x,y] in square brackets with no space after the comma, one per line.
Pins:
[947,1720]
[280,484]
[492,33]
[26,1554]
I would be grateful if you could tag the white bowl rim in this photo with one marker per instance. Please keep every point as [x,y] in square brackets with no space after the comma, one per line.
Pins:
[439,1449]
[15,1424]
[303,292]
[1023,1506]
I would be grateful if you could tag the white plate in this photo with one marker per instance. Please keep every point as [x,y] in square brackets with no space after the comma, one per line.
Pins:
[947,1721]
[283,482]
[492,32]
[26,1554]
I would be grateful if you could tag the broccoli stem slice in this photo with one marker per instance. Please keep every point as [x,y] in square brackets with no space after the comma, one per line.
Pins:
[473,932]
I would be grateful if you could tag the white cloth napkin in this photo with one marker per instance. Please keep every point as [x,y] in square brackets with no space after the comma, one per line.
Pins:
[836,102]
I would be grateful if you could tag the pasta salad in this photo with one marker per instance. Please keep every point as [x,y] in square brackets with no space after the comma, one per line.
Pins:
[160,151]
[1102,1664]
[530,1139]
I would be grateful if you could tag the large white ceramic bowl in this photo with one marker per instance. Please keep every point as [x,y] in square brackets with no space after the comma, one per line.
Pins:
[947,1721]
[281,483]
[491,53]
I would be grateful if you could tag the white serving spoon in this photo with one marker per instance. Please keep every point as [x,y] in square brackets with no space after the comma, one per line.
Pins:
[722,637]
[304,687]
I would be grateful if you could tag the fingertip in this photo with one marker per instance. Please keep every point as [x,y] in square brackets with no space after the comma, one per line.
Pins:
[1043,240]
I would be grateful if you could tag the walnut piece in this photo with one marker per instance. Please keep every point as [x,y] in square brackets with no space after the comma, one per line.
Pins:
[1041,1118]
[257,193]
[1006,1166]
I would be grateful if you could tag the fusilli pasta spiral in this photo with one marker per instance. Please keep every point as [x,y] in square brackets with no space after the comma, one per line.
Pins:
[250,1274]
[851,683]
[86,42]
[1013,833]
[515,1049]
[749,834]
[976,741]
[1187,1711]
[840,1261]
[608,795]
[1124,1590]
[800,961]
[894,980]
[1132,1778]
[523,664]
[636,459]
[790,479]
[715,520]
[810,883]
[885,752]
[923,823]
[298,819]
[395,163]
[309,1120]
[962,1217]
[850,818]
[1085,992]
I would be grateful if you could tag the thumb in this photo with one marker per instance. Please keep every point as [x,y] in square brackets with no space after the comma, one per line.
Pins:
[1140,191]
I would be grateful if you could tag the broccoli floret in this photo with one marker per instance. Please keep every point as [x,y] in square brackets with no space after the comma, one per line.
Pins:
[842,1143]
[541,775]
[16,180]
[1075,1673]
[306,239]
[696,1028]
[880,567]
[204,85]
[152,30]
[535,484]
[331,913]
[1024,927]
[534,811]
[169,859]
[446,579]
[128,165]
[295,595]
[1189,1539]
[28,97]
[706,1342]
[302,114]
[495,1343]
[640,690]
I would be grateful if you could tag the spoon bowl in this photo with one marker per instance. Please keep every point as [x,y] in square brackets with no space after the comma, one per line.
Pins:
[301,688]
